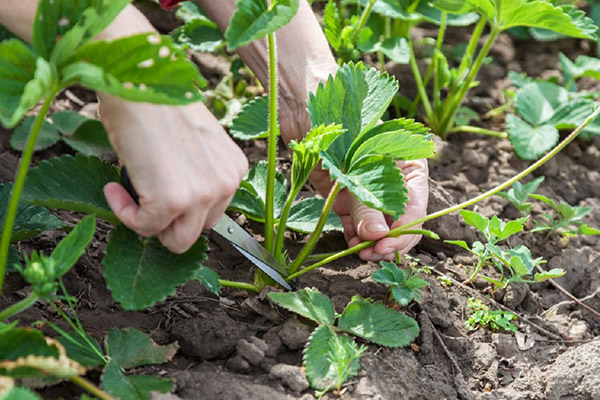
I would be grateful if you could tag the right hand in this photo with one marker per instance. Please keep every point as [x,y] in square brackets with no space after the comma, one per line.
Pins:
[182,163]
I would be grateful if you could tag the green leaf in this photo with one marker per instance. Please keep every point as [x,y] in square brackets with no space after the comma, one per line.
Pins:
[460,243]
[584,66]
[68,121]
[130,348]
[71,24]
[509,229]
[356,98]
[252,122]
[30,219]
[309,303]
[530,142]
[378,324]
[47,136]
[585,229]
[305,214]
[69,249]
[389,274]
[26,353]
[209,278]
[72,183]
[537,102]
[332,26]
[542,14]
[132,387]
[306,153]
[475,219]
[200,35]
[140,271]
[396,49]
[400,145]
[370,180]
[553,273]
[254,19]
[485,7]
[24,81]
[544,199]
[20,393]
[330,359]
[90,139]
[146,67]
[250,197]
[79,349]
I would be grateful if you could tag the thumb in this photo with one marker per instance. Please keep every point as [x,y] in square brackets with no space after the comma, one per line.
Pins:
[369,224]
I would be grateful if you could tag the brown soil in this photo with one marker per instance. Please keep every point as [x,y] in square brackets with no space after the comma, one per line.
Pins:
[233,347]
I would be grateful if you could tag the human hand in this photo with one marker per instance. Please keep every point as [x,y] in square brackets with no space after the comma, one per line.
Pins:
[183,165]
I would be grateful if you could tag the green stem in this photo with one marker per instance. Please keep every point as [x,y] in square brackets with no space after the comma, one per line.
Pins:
[401,229]
[455,101]
[314,238]
[363,20]
[438,47]
[239,285]
[18,307]
[91,388]
[285,213]
[419,81]
[272,147]
[479,131]
[11,212]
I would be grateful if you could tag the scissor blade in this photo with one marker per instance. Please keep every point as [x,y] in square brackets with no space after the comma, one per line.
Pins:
[251,249]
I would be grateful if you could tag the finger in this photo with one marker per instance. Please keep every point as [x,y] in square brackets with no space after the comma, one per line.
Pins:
[182,233]
[348,226]
[369,224]
[130,213]
[370,255]
[215,214]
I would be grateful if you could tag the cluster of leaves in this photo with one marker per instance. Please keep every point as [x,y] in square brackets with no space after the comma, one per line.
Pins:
[514,264]
[405,285]
[568,220]
[480,315]
[543,108]
[331,357]
[84,135]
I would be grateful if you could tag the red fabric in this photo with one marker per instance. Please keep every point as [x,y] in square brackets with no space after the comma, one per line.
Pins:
[166,4]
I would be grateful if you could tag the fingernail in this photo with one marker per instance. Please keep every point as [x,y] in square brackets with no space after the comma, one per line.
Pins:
[376,227]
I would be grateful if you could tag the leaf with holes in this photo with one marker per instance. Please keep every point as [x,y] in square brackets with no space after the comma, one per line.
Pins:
[72,183]
[255,19]
[310,303]
[140,271]
[146,67]
[378,324]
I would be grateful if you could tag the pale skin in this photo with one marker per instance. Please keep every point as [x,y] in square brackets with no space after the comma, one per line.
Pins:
[186,168]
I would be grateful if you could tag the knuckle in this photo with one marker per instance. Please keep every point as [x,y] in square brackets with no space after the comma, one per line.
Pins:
[177,203]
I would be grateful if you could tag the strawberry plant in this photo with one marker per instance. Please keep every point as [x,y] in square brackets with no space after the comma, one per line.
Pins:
[569,221]
[405,285]
[482,316]
[331,357]
[518,195]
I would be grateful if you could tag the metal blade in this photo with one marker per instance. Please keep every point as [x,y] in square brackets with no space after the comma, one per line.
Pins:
[251,249]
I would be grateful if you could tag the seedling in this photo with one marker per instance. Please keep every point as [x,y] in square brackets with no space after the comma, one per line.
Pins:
[569,221]
[482,316]
[331,357]
[405,285]
[518,195]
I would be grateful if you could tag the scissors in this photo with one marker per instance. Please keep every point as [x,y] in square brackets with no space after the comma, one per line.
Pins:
[241,240]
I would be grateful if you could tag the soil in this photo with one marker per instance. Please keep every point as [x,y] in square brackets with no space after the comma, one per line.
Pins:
[241,347]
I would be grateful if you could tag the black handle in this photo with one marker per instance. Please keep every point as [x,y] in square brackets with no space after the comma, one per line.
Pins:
[126,182]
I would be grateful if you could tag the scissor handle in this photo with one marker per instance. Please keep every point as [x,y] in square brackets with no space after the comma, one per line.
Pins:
[126,182]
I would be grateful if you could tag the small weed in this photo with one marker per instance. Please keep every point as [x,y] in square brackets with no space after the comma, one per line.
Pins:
[482,316]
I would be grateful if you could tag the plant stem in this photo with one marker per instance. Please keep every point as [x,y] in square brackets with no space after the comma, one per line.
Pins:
[18,307]
[314,238]
[419,81]
[455,101]
[363,20]
[11,212]
[91,388]
[272,147]
[479,131]
[239,285]
[402,229]
[285,213]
